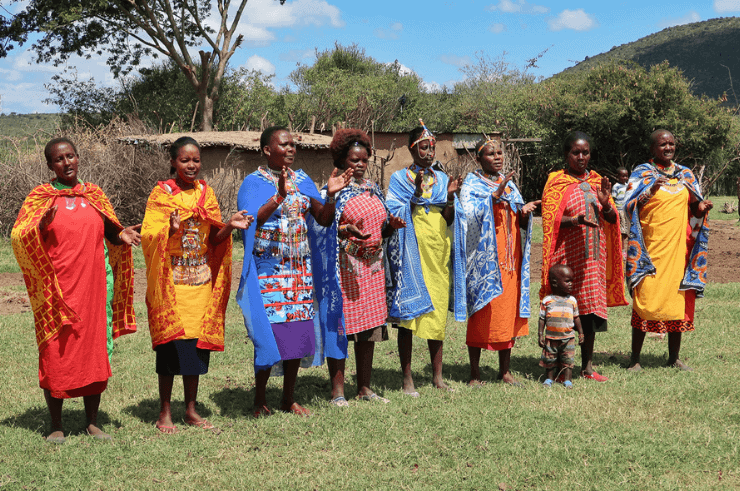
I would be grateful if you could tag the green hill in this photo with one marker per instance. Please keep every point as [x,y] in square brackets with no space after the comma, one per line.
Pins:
[703,50]
[25,125]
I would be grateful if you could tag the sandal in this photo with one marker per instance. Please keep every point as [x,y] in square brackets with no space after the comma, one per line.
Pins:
[203,424]
[340,401]
[594,376]
[547,382]
[261,411]
[167,429]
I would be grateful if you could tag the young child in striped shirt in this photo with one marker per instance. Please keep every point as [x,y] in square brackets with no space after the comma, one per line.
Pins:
[558,324]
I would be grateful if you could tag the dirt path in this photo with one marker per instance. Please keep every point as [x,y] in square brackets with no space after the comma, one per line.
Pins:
[724,267]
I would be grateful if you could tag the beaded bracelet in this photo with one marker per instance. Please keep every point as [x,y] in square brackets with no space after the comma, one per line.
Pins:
[330,199]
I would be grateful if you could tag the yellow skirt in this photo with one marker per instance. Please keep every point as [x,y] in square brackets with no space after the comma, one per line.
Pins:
[435,247]
[192,302]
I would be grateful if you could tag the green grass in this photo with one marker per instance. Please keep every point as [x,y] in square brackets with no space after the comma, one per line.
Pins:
[719,203]
[660,429]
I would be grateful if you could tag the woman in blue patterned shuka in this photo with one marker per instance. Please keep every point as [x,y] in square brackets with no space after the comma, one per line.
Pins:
[498,240]
[276,287]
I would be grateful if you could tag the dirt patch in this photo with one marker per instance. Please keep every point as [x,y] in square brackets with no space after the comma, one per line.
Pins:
[724,267]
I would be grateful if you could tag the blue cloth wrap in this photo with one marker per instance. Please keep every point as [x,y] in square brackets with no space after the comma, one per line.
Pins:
[409,297]
[483,271]
[253,193]
[639,263]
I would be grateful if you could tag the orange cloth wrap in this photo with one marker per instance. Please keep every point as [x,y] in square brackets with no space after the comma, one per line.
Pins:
[559,185]
[165,324]
[50,312]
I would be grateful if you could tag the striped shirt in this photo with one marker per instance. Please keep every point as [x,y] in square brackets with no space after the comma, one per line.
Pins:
[558,313]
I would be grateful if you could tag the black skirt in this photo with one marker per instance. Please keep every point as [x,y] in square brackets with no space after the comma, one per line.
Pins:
[182,357]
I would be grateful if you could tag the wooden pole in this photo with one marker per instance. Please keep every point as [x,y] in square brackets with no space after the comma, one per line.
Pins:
[192,121]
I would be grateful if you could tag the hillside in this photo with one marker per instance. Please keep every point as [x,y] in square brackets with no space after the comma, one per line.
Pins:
[26,125]
[699,49]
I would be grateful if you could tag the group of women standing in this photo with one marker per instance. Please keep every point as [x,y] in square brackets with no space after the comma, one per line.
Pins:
[323,268]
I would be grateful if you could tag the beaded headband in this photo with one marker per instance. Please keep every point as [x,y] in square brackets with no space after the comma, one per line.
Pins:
[425,135]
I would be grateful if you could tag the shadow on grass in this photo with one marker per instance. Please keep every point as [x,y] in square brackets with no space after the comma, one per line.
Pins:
[238,402]
[37,420]
[147,410]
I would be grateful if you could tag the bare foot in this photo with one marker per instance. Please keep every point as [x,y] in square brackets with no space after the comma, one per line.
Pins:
[56,437]
[475,384]
[508,378]
[634,368]
[683,366]
[441,385]
[97,433]
[296,409]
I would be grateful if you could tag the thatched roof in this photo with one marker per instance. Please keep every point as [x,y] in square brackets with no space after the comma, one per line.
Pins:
[245,140]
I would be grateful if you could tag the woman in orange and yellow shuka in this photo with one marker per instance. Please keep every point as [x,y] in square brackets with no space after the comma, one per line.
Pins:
[188,258]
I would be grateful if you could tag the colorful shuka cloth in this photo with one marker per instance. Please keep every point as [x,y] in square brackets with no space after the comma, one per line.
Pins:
[594,254]
[350,274]
[66,277]
[276,288]
[497,263]
[426,284]
[188,279]
[667,253]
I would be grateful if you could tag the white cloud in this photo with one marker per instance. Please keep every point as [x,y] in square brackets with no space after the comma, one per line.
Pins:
[497,28]
[431,86]
[270,14]
[518,7]
[260,64]
[403,70]
[393,32]
[24,98]
[256,35]
[458,61]
[578,20]
[724,6]
[679,21]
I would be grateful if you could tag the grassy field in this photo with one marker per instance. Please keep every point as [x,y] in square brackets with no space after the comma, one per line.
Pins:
[659,429]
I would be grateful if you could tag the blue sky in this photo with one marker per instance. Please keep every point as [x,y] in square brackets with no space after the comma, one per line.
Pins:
[433,38]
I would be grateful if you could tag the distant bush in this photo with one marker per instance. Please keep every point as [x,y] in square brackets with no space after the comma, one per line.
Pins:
[126,175]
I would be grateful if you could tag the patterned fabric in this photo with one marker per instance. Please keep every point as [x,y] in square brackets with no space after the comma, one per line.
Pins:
[50,311]
[165,323]
[619,194]
[584,250]
[409,297]
[558,189]
[660,326]
[425,135]
[639,263]
[483,272]
[558,353]
[559,314]
[336,262]
[254,192]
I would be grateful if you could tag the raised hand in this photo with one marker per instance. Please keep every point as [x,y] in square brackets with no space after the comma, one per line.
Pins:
[530,207]
[241,220]
[582,220]
[174,222]
[658,183]
[453,187]
[502,186]
[130,235]
[396,222]
[355,232]
[604,192]
[47,218]
[338,182]
[282,188]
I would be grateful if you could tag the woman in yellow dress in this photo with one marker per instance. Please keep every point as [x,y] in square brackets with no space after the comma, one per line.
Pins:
[188,257]
[667,253]
[420,256]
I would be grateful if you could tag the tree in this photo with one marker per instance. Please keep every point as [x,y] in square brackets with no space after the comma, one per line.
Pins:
[128,30]
[346,85]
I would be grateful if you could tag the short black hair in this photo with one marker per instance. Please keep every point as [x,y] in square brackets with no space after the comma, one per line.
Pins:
[267,135]
[574,137]
[56,141]
[177,145]
[556,269]
[482,143]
